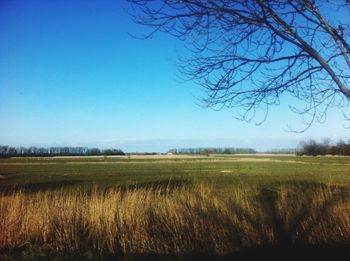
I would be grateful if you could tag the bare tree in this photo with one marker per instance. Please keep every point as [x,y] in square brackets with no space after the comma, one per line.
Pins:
[248,53]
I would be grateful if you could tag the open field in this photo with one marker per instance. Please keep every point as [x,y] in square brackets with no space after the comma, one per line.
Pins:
[224,173]
[174,205]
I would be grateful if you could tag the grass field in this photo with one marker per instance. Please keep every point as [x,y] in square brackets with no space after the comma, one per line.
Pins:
[222,172]
[172,205]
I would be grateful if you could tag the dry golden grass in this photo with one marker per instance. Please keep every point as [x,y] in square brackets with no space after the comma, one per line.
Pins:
[175,221]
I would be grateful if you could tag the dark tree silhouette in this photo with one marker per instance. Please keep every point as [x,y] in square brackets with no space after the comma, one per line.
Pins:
[247,54]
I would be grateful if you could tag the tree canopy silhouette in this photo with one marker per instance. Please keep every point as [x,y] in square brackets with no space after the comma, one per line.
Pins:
[248,54]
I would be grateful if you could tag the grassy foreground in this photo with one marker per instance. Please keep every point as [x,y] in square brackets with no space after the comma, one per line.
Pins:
[180,220]
[91,208]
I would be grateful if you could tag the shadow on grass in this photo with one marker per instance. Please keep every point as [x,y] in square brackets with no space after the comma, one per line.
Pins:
[298,197]
[288,253]
[162,185]
[291,234]
[291,253]
[40,186]
[295,253]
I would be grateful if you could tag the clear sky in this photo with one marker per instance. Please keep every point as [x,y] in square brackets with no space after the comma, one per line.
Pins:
[70,74]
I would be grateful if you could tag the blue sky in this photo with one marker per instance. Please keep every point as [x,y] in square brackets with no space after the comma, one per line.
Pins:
[70,74]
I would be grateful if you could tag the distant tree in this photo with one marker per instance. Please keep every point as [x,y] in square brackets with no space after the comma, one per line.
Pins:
[226,151]
[313,148]
[11,151]
[3,150]
[6,151]
[207,151]
[112,152]
[247,54]
[173,151]
[93,151]
[341,147]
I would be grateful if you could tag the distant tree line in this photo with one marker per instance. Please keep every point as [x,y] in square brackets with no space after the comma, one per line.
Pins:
[326,147]
[7,151]
[212,151]
[281,151]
